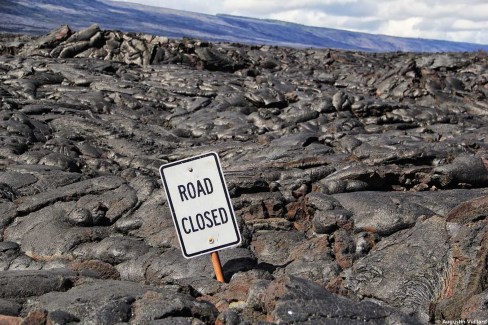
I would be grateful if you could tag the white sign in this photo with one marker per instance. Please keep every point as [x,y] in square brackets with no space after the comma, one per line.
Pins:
[200,205]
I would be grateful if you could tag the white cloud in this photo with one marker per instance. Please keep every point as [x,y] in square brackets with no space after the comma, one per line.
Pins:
[454,20]
[321,19]
[464,24]
[401,27]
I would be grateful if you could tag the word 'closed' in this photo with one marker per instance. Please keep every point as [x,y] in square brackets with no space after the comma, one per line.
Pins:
[207,219]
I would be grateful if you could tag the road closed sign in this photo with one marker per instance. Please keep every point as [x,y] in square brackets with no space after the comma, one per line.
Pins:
[200,205]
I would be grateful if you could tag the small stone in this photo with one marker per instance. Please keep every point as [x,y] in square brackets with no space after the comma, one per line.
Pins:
[9,308]
[80,217]
[326,222]
[228,317]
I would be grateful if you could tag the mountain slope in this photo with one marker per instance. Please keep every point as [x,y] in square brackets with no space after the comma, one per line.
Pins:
[20,16]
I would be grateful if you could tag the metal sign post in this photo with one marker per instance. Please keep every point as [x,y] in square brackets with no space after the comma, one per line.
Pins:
[217,266]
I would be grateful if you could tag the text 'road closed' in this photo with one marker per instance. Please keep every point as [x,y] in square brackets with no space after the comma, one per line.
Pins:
[200,205]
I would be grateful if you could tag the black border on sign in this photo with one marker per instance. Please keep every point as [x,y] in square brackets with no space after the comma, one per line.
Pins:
[227,197]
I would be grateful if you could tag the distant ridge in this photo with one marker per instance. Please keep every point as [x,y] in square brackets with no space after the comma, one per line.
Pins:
[17,16]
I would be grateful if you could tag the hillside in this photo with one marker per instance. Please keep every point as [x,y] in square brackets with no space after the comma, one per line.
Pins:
[38,17]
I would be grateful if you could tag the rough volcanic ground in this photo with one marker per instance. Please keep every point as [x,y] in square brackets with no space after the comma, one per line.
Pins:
[359,181]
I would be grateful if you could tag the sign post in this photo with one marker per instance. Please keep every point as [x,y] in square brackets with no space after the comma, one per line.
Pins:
[200,206]
[217,266]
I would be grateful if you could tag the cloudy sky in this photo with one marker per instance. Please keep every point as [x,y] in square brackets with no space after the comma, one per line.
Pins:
[453,20]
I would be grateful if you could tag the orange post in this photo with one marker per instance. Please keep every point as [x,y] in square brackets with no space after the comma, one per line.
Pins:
[217,267]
